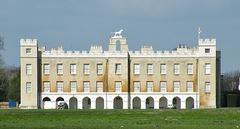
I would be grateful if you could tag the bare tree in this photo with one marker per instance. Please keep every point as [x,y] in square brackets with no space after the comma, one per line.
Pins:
[231,81]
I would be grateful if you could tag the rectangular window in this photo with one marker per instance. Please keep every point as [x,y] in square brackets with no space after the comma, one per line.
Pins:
[163,86]
[99,68]
[149,68]
[189,69]
[118,69]
[163,69]
[207,68]
[207,50]
[136,68]
[59,69]
[136,86]
[86,69]
[28,87]
[46,87]
[28,50]
[149,86]
[207,87]
[28,69]
[176,86]
[99,86]
[189,86]
[59,87]
[73,86]
[176,69]
[73,68]
[46,69]
[86,86]
[118,86]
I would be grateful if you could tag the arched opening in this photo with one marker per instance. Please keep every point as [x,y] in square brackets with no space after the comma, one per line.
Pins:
[118,103]
[136,103]
[99,103]
[73,103]
[177,102]
[61,104]
[59,99]
[118,45]
[46,99]
[149,103]
[163,102]
[189,103]
[86,103]
[46,102]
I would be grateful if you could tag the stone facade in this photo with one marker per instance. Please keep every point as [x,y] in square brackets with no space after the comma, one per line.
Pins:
[118,78]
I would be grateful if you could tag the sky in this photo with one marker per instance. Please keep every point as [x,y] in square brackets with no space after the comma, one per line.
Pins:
[78,24]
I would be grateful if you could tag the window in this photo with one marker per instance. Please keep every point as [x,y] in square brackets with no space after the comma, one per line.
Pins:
[207,50]
[207,87]
[28,69]
[28,50]
[99,86]
[149,86]
[28,87]
[189,86]
[86,69]
[86,86]
[136,68]
[189,69]
[176,69]
[136,86]
[176,86]
[207,68]
[73,69]
[163,69]
[118,69]
[149,68]
[118,86]
[99,68]
[46,69]
[73,86]
[163,86]
[59,87]
[59,69]
[46,87]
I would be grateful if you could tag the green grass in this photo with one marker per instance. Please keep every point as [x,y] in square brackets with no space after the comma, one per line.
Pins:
[228,118]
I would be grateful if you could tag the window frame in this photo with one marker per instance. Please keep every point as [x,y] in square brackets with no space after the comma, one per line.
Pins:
[118,88]
[28,87]
[59,69]
[136,69]
[46,87]
[73,69]
[86,69]
[118,68]
[149,68]
[176,69]
[165,86]
[99,69]
[60,88]
[150,88]
[46,71]
[99,89]
[163,69]
[86,86]
[28,69]
[176,89]
[137,88]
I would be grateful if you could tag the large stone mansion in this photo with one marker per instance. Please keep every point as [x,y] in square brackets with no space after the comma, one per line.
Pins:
[186,77]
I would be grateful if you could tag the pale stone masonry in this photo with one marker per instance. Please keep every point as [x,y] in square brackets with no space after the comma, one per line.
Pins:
[186,77]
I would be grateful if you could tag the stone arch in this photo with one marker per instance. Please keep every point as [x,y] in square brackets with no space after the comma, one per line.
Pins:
[46,99]
[149,103]
[59,99]
[176,102]
[73,103]
[118,103]
[136,103]
[189,103]
[99,103]
[163,102]
[86,103]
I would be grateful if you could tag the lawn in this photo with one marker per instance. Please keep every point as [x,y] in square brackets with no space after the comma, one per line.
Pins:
[227,118]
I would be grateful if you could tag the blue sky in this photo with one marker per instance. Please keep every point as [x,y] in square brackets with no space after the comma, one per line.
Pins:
[78,24]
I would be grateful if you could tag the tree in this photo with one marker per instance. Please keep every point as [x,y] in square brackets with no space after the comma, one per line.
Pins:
[231,81]
[13,90]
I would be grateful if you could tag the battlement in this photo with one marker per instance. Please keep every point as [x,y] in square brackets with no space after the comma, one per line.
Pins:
[29,42]
[96,49]
[206,42]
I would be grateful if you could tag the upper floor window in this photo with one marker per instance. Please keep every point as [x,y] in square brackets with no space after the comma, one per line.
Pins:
[28,69]
[207,50]
[46,87]
[207,87]
[46,69]
[136,86]
[73,86]
[176,86]
[118,69]
[86,86]
[163,69]
[28,87]
[73,68]
[189,69]
[136,68]
[149,86]
[207,68]
[99,68]
[163,86]
[59,87]
[59,68]
[176,69]
[118,86]
[86,69]
[99,86]
[150,68]
[189,86]
[28,50]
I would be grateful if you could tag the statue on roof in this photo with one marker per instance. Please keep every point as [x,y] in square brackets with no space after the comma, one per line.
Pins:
[117,34]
